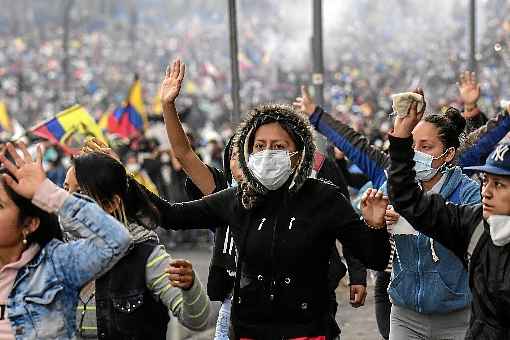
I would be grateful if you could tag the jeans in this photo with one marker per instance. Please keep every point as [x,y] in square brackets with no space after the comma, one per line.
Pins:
[223,322]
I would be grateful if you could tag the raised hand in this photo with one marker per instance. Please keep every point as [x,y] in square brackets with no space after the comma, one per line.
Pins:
[171,85]
[181,274]
[404,126]
[29,174]
[305,103]
[96,145]
[469,90]
[373,207]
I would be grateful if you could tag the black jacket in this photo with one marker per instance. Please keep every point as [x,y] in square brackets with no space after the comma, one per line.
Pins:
[285,247]
[126,308]
[222,267]
[452,225]
[284,237]
[220,281]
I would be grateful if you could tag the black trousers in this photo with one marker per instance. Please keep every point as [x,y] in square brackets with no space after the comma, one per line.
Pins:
[382,303]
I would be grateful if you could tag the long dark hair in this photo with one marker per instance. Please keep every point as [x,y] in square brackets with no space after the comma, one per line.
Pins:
[102,177]
[48,229]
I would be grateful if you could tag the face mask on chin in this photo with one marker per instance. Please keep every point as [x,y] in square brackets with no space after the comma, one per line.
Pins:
[272,168]
[423,165]
[500,229]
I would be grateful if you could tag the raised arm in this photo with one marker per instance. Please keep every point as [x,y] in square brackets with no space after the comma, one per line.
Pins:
[479,143]
[356,147]
[191,163]
[449,224]
[469,93]
[106,238]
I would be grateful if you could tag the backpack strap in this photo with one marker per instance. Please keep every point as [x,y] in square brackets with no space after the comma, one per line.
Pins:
[473,242]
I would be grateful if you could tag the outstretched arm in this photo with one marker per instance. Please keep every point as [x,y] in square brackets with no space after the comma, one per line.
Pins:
[206,213]
[356,146]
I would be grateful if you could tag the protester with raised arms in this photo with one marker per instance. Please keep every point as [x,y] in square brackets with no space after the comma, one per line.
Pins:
[284,225]
[477,234]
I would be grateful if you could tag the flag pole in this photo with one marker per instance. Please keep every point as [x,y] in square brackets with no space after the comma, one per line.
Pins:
[234,64]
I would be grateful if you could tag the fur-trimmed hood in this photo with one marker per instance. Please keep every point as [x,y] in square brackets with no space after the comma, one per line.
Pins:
[251,189]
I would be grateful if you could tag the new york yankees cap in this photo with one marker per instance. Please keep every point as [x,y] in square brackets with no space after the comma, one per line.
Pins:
[498,162]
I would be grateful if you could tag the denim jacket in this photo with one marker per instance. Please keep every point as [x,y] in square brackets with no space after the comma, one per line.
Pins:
[427,277]
[43,300]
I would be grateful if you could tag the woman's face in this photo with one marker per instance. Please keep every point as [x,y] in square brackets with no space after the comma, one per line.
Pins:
[11,233]
[272,137]
[426,139]
[71,183]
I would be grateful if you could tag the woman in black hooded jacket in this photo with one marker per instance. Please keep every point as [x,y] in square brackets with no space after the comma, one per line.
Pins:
[284,224]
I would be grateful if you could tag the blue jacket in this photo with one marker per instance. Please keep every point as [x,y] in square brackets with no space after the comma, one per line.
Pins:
[427,277]
[419,282]
[43,300]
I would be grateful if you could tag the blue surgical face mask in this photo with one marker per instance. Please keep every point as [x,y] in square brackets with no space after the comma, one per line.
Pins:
[423,165]
[50,155]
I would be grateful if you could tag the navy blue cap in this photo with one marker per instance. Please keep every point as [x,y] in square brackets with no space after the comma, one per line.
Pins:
[498,162]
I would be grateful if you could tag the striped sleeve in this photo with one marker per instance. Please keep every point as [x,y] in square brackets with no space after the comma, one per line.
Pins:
[191,307]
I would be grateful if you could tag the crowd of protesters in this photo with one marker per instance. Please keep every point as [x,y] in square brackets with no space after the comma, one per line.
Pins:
[418,194]
[360,70]
[276,222]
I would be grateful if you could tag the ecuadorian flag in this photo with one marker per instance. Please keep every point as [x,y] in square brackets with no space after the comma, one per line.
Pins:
[129,119]
[69,129]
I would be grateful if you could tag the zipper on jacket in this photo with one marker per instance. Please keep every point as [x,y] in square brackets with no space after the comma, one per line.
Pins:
[272,283]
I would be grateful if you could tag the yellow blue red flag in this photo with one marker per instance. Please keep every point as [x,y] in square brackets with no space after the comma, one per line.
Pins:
[129,119]
[69,129]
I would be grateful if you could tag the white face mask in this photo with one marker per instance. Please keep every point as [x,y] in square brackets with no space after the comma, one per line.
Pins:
[500,229]
[423,165]
[271,167]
